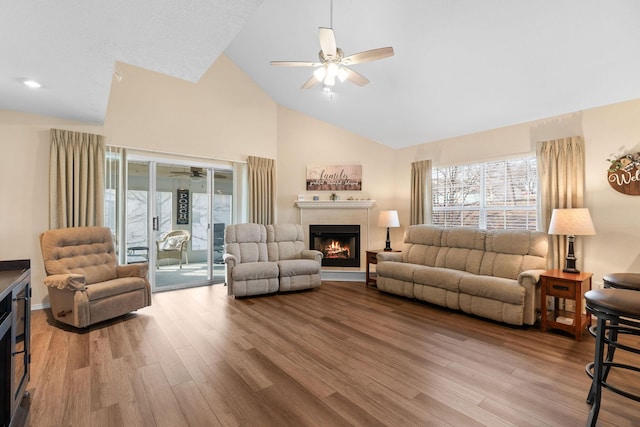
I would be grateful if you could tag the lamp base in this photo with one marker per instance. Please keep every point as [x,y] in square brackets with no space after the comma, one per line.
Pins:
[387,248]
[570,261]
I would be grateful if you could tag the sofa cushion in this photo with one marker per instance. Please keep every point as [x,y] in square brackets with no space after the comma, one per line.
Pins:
[247,242]
[295,267]
[510,252]
[495,288]
[444,278]
[255,270]
[468,238]
[398,270]
[87,251]
[421,244]
[420,254]
[113,287]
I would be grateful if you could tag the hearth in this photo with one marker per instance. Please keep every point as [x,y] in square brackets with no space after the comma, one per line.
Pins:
[340,244]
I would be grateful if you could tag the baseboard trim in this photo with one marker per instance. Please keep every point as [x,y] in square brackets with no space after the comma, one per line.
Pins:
[343,276]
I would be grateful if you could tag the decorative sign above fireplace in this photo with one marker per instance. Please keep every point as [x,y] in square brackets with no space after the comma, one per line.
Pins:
[334,178]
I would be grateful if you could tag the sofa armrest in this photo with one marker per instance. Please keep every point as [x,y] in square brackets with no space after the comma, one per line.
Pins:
[133,270]
[529,281]
[530,276]
[389,256]
[230,260]
[71,282]
[312,254]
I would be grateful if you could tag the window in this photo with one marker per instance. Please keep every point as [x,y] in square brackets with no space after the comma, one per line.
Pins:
[492,195]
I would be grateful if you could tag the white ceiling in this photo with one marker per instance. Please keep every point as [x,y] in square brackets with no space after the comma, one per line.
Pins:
[460,66]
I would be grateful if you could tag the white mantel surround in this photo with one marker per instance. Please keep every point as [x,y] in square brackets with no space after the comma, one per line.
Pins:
[339,212]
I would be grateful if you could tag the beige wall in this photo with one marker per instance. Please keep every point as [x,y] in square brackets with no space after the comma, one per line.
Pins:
[226,116]
[223,116]
[303,141]
[24,188]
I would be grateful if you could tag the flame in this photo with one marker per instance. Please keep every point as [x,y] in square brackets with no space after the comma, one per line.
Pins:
[337,249]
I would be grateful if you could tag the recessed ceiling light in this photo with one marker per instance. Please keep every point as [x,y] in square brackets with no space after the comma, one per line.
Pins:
[31,83]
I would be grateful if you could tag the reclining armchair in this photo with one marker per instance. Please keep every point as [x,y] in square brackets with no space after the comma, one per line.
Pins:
[247,266]
[85,284]
[298,267]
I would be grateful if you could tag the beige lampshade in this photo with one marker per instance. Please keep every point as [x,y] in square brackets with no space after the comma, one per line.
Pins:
[388,219]
[571,222]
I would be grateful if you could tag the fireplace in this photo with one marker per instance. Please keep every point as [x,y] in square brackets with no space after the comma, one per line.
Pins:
[340,244]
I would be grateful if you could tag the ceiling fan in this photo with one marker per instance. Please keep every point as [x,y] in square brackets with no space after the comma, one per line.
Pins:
[333,63]
[193,172]
[198,173]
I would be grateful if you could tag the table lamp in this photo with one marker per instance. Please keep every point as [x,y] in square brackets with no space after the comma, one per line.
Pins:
[571,223]
[388,219]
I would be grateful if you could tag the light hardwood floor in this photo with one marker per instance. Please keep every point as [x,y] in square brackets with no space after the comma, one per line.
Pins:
[341,354]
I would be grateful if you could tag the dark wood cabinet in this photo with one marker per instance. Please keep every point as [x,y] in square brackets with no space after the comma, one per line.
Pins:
[15,335]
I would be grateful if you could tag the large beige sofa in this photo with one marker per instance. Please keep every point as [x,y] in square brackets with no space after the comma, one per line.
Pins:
[488,273]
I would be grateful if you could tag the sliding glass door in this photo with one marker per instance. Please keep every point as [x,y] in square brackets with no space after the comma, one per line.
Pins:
[174,217]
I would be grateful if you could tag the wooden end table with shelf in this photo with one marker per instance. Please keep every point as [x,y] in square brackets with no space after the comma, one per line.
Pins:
[372,258]
[567,286]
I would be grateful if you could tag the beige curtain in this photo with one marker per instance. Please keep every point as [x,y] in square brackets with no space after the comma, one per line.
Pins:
[561,174]
[421,202]
[262,190]
[76,179]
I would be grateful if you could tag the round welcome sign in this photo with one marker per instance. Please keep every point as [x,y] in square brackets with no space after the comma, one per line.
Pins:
[624,174]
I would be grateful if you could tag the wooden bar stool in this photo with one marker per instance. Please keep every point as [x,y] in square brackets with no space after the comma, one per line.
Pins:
[617,312]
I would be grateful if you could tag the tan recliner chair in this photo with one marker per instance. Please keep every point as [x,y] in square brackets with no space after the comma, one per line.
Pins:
[85,284]
[298,267]
[247,266]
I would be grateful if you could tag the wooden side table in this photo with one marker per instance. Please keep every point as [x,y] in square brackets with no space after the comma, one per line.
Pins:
[370,279]
[568,286]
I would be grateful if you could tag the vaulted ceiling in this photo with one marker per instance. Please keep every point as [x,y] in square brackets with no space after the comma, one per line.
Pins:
[460,66]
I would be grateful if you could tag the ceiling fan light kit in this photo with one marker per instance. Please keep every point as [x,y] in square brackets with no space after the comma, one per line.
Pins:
[333,63]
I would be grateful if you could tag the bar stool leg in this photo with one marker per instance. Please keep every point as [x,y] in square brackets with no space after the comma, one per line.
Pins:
[596,386]
[611,349]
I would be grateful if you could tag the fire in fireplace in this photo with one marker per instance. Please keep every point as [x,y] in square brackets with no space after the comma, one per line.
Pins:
[340,244]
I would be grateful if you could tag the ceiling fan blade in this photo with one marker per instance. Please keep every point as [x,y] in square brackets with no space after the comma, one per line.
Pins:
[310,83]
[295,64]
[355,77]
[368,55]
[328,42]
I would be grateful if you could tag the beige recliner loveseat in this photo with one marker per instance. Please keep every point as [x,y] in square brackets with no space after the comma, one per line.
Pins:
[266,259]
[85,283]
[247,267]
[488,273]
[298,267]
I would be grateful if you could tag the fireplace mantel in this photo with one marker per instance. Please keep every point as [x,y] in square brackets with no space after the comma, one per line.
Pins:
[337,204]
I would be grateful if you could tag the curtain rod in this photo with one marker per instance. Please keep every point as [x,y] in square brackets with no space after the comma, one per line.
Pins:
[169,153]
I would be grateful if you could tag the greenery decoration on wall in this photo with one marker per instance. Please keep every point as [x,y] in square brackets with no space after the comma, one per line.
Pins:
[624,174]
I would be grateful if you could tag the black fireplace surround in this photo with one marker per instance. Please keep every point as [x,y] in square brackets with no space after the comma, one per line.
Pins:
[339,244]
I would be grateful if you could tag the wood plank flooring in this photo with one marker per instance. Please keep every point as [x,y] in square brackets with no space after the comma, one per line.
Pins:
[339,355]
